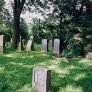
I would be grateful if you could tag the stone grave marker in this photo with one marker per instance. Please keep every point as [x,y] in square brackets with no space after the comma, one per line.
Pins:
[89,56]
[50,45]
[29,44]
[41,79]
[56,46]
[2,43]
[44,45]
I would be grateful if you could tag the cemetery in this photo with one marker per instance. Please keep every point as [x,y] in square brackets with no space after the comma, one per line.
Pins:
[45,46]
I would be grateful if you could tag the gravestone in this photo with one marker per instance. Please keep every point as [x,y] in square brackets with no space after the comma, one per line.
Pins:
[41,79]
[29,46]
[56,46]
[89,56]
[44,45]
[2,43]
[50,45]
[11,40]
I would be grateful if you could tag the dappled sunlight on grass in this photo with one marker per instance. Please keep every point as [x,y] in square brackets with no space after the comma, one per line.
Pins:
[16,72]
[86,61]
[2,70]
[9,55]
[71,88]
[80,76]
[25,88]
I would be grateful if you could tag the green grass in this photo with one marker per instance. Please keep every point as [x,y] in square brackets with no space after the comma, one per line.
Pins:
[16,72]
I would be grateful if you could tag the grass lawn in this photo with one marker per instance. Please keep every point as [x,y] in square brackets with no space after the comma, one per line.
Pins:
[16,72]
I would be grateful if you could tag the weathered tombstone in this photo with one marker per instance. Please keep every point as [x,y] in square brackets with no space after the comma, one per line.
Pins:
[50,45]
[41,79]
[29,46]
[56,46]
[20,44]
[44,45]
[11,40]
[89,55]
[2,43]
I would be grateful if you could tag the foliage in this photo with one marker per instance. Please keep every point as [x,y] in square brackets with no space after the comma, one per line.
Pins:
[24,30]
[6,29]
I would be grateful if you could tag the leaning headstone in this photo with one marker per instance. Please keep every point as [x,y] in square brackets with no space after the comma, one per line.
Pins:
[41,79]
[89,56]
[2,43]
[50,45]
[56,46]
[29,46]
[44,45]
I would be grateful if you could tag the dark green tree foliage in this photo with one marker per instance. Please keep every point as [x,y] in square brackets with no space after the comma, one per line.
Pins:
[24,30]
[75,24]
[1,4]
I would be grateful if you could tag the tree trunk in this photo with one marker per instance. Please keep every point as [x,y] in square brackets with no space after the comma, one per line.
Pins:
[18,6]
[16,31]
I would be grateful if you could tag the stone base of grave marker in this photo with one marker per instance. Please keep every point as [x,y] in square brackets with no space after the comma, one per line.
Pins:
[41,79]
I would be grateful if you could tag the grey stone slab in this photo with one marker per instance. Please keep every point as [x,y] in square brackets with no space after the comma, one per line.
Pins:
[56,46]
[89,56]
[44,45]
[2,43]
[41,79]
[29,44]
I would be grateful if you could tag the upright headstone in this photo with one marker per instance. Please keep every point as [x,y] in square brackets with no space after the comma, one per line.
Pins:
[29,44]
[89,56]
[44,45]
[20,44]
[2,43]
[50,45]
[11,41]
[56,46]
[41,79]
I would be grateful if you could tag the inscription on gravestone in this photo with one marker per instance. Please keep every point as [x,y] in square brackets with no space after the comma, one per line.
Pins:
[2,43]
[44,45]
[41,80]
[56,46]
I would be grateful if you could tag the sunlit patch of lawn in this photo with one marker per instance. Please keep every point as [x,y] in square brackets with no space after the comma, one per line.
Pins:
[16,69]
[77,79]
[16,72]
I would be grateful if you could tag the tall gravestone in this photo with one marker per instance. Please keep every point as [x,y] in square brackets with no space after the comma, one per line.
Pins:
[41,79]
[44,45]
[29,46]
[2,43]
[56,46]
[50,45]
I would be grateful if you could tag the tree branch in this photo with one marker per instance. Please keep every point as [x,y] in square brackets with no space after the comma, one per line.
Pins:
[21,6]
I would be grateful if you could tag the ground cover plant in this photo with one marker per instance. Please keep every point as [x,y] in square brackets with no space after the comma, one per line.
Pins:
[16,72]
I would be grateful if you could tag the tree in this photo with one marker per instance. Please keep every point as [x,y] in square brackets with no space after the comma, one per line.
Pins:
[17,9]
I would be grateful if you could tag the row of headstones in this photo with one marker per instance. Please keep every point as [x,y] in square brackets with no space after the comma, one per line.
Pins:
[45,45]
[51,45]
[2,43]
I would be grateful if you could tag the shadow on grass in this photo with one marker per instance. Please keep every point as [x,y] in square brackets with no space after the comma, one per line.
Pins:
[13,74]
[79,77]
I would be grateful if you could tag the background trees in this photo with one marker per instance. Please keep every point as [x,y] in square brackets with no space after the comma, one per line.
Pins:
[68,20]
